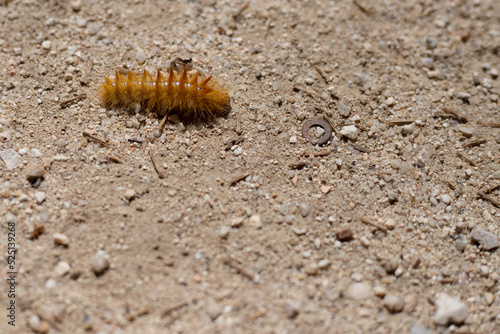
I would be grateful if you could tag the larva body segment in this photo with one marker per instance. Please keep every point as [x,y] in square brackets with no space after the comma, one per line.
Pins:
[184,94]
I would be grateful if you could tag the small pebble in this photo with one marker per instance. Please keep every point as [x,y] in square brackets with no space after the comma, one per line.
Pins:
[34,171]
[129,194]
[427,62]
[304,208]
[410,303]
[34,322]
[350,131]
[407,129]
[238,151]
[466,131]
[223,232]
[47,45]
[393,303]
[308,81]
[40,197]
[450,310]
[358,291]
[255,221]
[445,199]
[62,268]
[293,139]
[213,310]
[417,329]
[140,56]
[99,262]
[488,240]
[11,158]
[291,309]
[379,291]
[345,234]
[61,239]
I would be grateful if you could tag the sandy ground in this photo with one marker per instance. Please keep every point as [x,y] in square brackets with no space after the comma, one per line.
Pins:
[393,228]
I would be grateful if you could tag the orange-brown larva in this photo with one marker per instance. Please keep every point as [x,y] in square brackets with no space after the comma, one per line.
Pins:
[184,94]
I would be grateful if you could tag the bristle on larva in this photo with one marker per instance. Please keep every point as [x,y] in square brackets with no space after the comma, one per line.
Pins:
[186,95]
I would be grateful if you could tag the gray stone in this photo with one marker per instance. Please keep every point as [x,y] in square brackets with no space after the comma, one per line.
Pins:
[94,28]
[450,311]
[11,158]
[344,110]
[213,310]
[304,208]
[427,62]
[393,303]
[466,131]
[488,240]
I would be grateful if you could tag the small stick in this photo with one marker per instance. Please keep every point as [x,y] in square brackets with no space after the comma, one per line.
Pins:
[97,139]
[305,90]
[113,158]
[240,10]
[233,264]
[448,183]
[176,306]
[473,143]
[162,123]
[460,155]
[362,8]
[372,223]
[453,114]
[233,142]
[268,25]
[400,122]
[143,311]
[257,315]
[492,188]
[238,126]
[317,154]
[360,148]
[158,167]
[492,124]
[321,72]
[238,178]
[489,199]
[65,103]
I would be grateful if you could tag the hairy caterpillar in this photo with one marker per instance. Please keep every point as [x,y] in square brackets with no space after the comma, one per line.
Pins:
[184,94]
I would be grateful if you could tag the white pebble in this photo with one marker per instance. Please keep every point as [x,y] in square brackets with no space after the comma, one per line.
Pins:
[293,139]
[62,268]
[40,197]
[47,45]
[350,131]
[61,239]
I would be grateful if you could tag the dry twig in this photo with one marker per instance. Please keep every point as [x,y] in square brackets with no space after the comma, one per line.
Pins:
[489,199]
[307,91]
[158,167]
[238,178]
[400,122]
[460,155]
[368,221]
[235,265]
[65,103]
[316,154]
[95,138]
[321,72]
[176,306]
[475,142]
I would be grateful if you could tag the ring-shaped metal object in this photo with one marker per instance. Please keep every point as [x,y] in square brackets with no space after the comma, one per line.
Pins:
[322,124]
